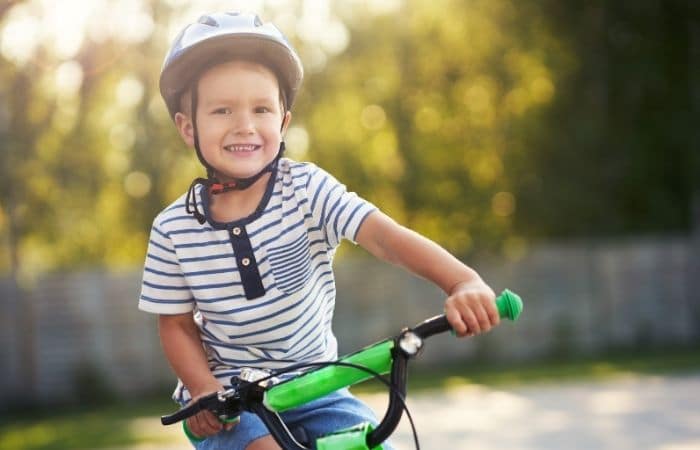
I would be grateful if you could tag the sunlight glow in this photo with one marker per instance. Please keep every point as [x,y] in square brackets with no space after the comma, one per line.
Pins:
[137,184]
[61,27]
[122,136]
[382,7]
[20,37]
[612,402]
[373,117]
[129,92]
[317,25]
[64,22]
[68,79]
[129,22]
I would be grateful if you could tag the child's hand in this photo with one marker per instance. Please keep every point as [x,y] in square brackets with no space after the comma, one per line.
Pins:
[471,308]
[205,423]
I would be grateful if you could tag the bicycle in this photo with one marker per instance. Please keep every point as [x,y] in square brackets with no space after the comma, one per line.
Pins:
[259,392]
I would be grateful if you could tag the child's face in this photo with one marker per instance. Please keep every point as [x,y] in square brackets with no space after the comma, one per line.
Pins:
[239,119]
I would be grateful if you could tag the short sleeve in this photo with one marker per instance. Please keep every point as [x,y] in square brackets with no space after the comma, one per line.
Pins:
[164,289]
[338,212]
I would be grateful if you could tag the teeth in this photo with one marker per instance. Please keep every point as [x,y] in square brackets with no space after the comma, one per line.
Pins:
[240,148]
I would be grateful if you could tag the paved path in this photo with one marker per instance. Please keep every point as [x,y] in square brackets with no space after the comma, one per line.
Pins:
[628,413]
[640,413]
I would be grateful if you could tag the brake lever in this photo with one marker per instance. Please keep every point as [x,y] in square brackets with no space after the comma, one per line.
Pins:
[223,404]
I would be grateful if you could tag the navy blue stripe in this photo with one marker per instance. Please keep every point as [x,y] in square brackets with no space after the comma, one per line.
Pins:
[161,233]
[278,221]
[242,362]
[320,331]
[311,353]
[165,301]
[296,284]
[161,246]
[319,304]
[325,205]
[257,319]
[304,346]
[293,272]
[337,217]
[158,258]
[277,327]
[208,258]
[233,298]
[312,175]
[292,248]
[165,274]
[177,218]
[338,202]
[322,345]
[228,269]
[164,287]
[319,189]
[175,206]
[271,208]
[282,233]
[349,221]
[229,346]
[357,230]
[202,244]
[193,230]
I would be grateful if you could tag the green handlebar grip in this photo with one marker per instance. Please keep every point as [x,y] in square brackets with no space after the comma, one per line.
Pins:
[194,439]
[509,305]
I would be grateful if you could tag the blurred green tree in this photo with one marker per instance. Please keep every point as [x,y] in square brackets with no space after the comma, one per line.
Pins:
[484,124]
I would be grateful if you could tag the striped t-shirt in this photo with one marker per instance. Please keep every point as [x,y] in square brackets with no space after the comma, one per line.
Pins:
[261,288]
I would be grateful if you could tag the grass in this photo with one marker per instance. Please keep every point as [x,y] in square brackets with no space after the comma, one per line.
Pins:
[136,425]
[98,427]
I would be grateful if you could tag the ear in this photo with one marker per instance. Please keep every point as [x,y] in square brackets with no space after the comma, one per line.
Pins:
[185,128]
[285,122]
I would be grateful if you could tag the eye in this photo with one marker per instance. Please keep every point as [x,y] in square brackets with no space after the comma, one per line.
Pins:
[222,111]
[262,109]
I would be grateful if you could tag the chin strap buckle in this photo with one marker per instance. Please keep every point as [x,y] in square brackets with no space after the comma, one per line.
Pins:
[220,188]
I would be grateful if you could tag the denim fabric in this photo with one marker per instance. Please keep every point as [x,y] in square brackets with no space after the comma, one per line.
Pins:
[328,414]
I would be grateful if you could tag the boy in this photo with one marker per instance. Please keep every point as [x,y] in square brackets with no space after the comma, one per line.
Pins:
[239,268]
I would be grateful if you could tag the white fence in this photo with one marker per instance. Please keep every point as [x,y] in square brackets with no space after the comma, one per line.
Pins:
[81,332]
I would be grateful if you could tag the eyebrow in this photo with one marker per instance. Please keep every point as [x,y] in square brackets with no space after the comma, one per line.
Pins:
[220,100]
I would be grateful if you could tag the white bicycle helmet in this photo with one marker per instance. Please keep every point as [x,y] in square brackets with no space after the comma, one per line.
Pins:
[219,37]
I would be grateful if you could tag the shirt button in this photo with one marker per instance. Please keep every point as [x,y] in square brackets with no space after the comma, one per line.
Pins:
[245,262]
[236,231]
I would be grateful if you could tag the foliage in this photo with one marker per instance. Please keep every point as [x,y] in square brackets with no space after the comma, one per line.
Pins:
[482,124]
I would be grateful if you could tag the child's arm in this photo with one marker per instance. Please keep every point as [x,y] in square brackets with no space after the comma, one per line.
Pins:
[183,348]
[470,306]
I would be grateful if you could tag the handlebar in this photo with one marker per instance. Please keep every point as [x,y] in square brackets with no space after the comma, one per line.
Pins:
[509,307]
[379,358]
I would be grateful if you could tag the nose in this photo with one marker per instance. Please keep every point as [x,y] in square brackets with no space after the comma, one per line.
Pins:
[243,124]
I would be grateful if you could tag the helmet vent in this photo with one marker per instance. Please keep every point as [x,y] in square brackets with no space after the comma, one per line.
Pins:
[208,20]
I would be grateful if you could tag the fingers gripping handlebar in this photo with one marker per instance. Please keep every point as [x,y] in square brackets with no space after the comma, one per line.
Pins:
[509,307]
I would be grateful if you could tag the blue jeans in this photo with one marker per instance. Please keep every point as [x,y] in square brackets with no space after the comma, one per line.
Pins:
[331,413]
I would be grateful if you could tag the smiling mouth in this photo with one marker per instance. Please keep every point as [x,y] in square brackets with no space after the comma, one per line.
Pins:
[241,148]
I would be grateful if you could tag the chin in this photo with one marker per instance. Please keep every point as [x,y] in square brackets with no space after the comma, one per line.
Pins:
[230,176]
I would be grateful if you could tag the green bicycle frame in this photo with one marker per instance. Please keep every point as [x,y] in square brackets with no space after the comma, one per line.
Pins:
[320,382]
